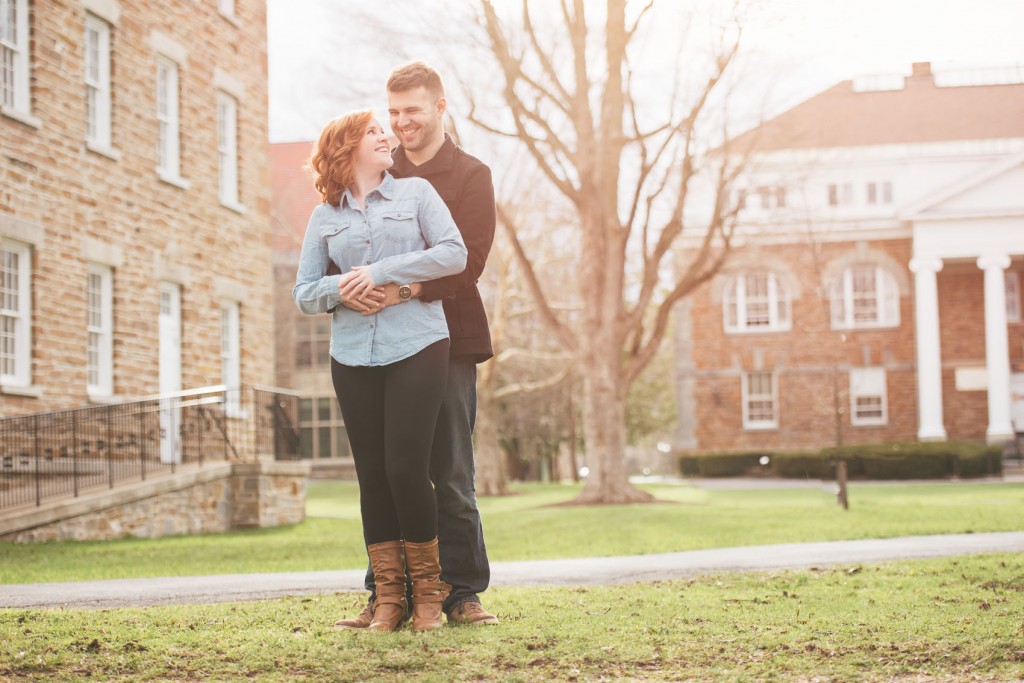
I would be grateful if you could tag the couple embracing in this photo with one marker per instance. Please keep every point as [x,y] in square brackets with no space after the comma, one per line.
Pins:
[394,253]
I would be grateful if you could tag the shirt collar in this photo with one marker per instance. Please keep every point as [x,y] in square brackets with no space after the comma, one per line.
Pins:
[439,163]
[386,189]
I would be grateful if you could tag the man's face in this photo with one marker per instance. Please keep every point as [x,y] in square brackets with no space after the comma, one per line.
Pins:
[416,117]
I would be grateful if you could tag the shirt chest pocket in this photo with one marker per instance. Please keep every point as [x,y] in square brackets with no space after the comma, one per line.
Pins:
[400,226]
[338,238]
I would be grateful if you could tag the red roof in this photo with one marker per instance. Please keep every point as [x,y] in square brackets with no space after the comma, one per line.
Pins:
[293,194]
[919,112]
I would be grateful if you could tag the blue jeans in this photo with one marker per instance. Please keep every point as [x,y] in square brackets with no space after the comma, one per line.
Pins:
[460,534]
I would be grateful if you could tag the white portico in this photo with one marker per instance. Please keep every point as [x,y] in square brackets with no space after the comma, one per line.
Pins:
[979,221]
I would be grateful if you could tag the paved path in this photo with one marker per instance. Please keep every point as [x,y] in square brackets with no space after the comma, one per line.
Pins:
[583,571]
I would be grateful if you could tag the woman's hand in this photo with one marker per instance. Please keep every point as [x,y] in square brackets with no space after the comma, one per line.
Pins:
[358,290]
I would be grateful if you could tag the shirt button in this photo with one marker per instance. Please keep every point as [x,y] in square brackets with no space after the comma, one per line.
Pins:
[371,326]
[367,241]
[367,263]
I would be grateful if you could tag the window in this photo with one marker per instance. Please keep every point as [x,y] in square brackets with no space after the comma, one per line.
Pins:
[100,327]
[764,198]
[321,430]
[840,194]
[97,81]
[227,148]
[15,314]
[756,302]
[226,7]
[879,193]
[759,401]
[867,396]
[169,138]
[313,343]
[780,197]
[865,295]
[230,353]
[14,56]
[1012,296]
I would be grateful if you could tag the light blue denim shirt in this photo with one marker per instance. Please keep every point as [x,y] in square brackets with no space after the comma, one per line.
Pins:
[405,234]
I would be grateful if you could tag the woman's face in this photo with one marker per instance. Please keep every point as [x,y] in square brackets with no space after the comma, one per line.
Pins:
[374,150]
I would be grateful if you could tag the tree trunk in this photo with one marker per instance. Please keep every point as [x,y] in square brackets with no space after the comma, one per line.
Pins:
[604,434]
[490,465]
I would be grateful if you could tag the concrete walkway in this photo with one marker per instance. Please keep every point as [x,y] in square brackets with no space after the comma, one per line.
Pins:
[574,572]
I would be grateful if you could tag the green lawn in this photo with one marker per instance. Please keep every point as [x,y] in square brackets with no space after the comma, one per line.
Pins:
[936,620]
[529,526]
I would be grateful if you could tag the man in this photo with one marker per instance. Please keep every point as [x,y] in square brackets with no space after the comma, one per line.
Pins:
[416,107]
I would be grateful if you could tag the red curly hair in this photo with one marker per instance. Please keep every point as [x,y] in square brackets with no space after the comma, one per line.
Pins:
[331,163]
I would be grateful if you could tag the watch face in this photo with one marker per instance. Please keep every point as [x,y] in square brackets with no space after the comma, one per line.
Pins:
[405,292]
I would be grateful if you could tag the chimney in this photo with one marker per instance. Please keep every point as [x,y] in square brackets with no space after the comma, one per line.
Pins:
[920,74]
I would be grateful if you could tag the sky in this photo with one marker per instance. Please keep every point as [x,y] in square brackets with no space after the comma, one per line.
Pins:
[800,46]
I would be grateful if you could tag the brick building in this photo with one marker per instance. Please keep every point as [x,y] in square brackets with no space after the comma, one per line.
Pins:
[874,292]
[302,342]
[135,205]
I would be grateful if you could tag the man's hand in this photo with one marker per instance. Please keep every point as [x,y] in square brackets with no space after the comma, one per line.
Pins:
[389,296]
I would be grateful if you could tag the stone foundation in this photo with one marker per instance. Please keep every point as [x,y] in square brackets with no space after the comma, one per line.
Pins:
[195,500]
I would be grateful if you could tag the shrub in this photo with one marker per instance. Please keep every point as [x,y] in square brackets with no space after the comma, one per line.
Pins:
[896,460]
[919,459]
[719,464]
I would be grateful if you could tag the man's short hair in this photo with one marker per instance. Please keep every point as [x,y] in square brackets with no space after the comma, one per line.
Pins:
[415,75]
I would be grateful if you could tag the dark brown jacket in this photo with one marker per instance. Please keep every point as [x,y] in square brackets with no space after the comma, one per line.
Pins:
[464,183]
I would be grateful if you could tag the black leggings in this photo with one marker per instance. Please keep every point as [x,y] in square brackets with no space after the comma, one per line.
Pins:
[390,412]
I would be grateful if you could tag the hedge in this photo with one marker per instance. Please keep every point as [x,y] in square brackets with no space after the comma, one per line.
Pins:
[896,460]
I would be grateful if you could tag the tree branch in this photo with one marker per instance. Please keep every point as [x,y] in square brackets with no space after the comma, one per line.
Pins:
[529,387]
[563,333]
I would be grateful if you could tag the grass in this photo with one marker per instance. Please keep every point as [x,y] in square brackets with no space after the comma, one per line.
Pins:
[530,526]
[935,620]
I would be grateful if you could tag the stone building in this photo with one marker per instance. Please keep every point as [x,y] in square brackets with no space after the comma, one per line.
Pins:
[134,200]
[874,292]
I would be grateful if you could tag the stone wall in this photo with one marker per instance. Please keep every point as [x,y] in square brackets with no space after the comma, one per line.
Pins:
[73,204]
[195,500]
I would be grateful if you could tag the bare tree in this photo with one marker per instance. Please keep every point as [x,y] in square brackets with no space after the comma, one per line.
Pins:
[521,365]
[628,180]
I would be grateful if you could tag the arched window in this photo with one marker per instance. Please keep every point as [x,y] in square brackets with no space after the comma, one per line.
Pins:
[756,302]
[865,295]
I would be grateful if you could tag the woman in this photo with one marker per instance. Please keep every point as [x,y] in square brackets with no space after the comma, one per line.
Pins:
[389,367]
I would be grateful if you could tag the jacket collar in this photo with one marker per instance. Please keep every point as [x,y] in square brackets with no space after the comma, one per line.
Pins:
[439,163]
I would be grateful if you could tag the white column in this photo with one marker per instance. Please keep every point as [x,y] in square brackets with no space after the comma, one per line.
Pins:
[929,356]
[997,348]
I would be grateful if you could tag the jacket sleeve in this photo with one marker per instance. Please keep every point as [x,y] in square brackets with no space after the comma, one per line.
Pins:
[315,291]
[475,217]
[445,253]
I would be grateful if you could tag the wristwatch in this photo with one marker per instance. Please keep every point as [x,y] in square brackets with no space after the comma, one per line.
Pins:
[404,292]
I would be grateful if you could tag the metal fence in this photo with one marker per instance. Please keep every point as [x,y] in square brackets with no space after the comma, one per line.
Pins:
[63,453]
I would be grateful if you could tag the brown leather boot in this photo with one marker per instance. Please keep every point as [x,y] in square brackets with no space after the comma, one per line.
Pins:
[362,621]
[428,590]
[388,562]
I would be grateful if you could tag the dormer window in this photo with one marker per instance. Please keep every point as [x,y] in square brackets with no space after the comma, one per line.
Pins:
[879,193]
[840,194]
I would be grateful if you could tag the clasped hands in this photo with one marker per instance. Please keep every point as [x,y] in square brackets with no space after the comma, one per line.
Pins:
[360,293]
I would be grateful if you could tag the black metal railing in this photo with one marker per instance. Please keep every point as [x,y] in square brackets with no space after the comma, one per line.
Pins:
[49,455]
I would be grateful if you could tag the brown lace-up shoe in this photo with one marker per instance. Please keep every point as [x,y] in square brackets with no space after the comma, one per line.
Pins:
[472,613]
[362,621]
